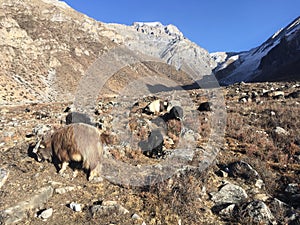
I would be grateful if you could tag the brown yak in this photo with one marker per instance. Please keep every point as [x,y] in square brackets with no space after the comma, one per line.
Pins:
[74,142]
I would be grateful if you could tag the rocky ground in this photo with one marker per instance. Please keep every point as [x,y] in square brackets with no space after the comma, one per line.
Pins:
[250,177]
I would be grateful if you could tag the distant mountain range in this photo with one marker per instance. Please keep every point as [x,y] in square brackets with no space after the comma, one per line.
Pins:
[47,47]
[277,59]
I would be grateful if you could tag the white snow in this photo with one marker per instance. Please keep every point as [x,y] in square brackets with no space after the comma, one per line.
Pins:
[296,23]
[219,57]
[292,31]
[276,34]
[250,63]
[234,58]
[231,60]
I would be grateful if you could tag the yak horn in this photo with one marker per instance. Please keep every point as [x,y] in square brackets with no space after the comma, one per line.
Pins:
[35,149]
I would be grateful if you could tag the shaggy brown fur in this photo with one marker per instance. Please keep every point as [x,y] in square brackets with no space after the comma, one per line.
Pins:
[75,142]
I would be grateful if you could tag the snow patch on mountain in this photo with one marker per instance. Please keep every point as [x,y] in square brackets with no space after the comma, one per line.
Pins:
[246,66]
[277,33]
[219,57]
[294,24]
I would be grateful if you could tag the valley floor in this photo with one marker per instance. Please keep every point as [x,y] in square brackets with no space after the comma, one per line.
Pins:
[252,177]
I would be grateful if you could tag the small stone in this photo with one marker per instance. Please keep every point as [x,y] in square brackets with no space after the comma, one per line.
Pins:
[64,190]
[98,179]
[259,183]
[227,212]
[292,188]
[46,213]
[77,117]
[262,197]
[254,94]
[281,131]
[3,176]
[135,216]
[107,208]
[75,207]
[121,209]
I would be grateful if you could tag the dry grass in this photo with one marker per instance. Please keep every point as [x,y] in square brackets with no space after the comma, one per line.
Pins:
[251,131]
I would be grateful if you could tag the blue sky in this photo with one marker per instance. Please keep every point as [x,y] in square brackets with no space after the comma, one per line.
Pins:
[216,25]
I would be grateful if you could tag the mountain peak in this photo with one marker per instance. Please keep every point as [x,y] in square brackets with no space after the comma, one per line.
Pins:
[157,28]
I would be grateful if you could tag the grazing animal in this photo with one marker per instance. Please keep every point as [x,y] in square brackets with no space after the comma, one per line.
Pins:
[176,112]
[155,107]
[153,147]
[75,142]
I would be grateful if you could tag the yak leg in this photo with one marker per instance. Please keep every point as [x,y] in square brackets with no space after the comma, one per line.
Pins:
[95,172]
[63,167]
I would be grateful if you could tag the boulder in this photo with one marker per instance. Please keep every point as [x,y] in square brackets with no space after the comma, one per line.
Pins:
[45,214]
[256,212]
[281,131]
[229,193]
[205,107]
[108,208]
[18,212]
[77,117]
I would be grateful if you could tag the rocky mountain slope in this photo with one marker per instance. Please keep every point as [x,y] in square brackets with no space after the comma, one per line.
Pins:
[166,43]
[47,47]
[277,59]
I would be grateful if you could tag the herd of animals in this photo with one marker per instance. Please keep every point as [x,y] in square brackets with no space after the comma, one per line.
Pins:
[81,140]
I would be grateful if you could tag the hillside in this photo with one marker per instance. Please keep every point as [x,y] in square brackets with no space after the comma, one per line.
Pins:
[47,47]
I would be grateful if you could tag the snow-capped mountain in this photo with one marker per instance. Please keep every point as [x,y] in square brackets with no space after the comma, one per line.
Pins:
[277,59]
